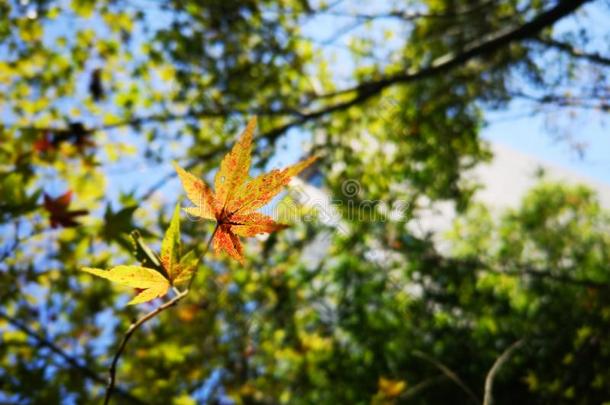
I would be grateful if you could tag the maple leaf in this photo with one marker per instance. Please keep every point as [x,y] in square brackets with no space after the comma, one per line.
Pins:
[60,215]
[118,224]
[178,268]
[152,282]
[235,198]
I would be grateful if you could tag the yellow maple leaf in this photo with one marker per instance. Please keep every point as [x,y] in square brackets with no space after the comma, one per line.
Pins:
[150,281]
[173,268]
[235,198]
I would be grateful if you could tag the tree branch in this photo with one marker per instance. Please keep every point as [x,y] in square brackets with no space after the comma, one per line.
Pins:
[489,44]
[593,102]
[450,374]
[413,15]
[488,398]
[200,114]
[486,46]
[165,118]
[132,328]
[573,51]
[72,361]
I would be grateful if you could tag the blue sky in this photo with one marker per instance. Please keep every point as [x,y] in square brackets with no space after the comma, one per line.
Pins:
[530,135]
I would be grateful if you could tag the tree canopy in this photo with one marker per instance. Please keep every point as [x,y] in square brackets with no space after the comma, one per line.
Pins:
[99,97]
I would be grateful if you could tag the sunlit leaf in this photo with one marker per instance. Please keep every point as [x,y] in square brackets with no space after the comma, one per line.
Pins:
[183,271]
[199,193]
[233,204]
[254,223]
[235,166]
[152,282]
[259,191]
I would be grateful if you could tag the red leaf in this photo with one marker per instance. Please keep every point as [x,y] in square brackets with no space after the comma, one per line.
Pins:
[60,215]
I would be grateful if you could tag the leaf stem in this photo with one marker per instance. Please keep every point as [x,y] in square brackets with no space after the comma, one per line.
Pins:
[207,249]
[136,325]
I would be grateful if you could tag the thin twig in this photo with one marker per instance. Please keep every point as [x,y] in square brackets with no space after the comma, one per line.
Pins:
[136,325]
[575,52]
[129,333]
[489,380]
[70,360]
[450,374]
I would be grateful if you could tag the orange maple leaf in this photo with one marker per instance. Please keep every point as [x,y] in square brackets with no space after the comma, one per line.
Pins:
[235,198]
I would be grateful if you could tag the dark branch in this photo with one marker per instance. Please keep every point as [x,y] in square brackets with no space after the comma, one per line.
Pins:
[592,102]
[201,114]
[486,46]
[166,118]
[574,52]
[413,15]
[489,44]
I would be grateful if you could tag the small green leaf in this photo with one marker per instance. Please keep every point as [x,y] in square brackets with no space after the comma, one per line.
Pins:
[144,254]
[170,247]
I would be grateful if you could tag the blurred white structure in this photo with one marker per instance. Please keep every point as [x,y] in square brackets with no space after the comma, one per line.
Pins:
[504,182]
[511,174]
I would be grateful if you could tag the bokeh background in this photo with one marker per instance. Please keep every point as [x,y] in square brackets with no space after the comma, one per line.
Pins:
[458,209]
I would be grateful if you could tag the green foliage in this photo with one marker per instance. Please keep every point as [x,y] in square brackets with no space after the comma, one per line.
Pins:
[553,280]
